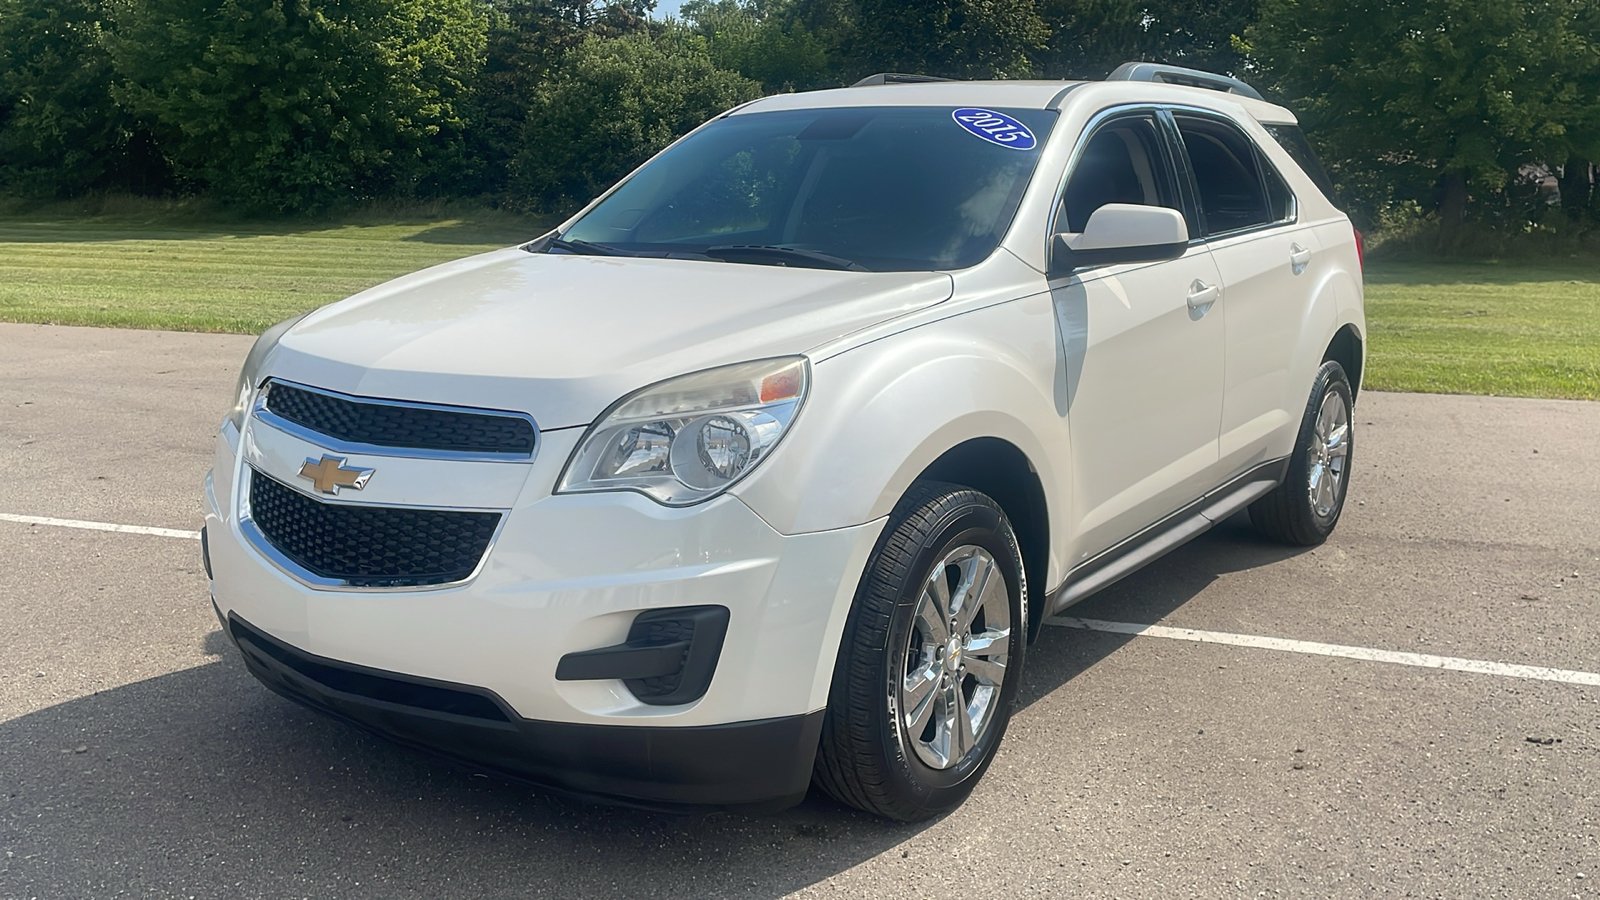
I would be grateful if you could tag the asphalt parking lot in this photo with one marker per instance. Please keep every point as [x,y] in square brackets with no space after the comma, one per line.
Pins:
[137,758]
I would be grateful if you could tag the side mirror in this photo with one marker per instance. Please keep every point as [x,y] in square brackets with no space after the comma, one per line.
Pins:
[1120,233]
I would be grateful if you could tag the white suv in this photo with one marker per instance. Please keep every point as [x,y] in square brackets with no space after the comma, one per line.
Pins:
[764,469]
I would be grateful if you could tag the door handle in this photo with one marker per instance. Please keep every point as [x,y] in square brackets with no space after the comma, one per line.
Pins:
[1202,295]
[1299,258]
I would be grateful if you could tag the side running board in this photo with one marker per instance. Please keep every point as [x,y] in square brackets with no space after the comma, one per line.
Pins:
[1167,535]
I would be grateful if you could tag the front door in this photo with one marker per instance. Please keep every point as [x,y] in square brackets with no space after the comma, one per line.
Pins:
[1142,347]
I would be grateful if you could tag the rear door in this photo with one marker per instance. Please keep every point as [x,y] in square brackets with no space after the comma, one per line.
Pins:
[1142,348]
[1267,260]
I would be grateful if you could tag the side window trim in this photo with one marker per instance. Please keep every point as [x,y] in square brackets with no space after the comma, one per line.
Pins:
[1181,152]
[1109,116]
[1192,213]
[1264,166]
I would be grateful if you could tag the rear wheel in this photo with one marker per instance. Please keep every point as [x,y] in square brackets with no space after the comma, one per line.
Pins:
[1305,508]
[930,658]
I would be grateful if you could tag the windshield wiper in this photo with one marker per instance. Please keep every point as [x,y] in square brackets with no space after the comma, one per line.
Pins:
[581,247]
[587,248]
[781,256]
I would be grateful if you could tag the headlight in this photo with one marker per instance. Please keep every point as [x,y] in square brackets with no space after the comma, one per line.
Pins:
[686,440]
[250,373]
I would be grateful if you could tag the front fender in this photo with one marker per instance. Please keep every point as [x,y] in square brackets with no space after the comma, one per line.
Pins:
[880,414]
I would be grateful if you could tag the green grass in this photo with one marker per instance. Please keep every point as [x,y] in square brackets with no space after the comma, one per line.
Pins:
[1527,329]
[169,272]
[1523,329]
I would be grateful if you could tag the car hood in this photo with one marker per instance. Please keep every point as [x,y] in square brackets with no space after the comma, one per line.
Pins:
[562,337]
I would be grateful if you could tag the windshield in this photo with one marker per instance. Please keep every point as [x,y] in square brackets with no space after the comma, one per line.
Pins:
[879,188]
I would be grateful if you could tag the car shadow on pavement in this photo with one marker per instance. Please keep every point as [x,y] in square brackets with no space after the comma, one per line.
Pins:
[1147,596]
[202,783]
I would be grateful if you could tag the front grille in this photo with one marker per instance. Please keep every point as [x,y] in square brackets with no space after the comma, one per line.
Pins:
[370,546]
[394,424]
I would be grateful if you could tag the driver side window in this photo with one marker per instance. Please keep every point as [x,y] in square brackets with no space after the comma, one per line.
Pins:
[1124,161]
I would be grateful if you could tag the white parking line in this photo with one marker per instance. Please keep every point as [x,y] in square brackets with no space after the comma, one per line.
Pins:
[100,526]
[1421,660]
[1368,654]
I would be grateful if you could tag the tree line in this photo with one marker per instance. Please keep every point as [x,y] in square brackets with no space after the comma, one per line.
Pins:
[1455,110]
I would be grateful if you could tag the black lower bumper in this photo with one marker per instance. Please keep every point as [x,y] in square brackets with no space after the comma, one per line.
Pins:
[760,765]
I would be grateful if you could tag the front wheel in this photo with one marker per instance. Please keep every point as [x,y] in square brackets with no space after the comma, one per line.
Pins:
[1303,510]
[930,658]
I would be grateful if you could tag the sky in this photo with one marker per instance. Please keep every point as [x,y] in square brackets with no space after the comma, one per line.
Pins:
[665,8]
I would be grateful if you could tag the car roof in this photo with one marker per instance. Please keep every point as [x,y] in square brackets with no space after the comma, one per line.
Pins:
[1013,94]
[1022,95]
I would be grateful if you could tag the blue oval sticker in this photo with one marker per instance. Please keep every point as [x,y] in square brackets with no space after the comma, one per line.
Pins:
[996,128]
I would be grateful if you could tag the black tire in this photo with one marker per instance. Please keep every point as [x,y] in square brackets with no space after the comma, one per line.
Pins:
[1291,513]
[866,758]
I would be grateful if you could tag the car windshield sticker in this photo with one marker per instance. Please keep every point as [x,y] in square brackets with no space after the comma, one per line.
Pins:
[996,128]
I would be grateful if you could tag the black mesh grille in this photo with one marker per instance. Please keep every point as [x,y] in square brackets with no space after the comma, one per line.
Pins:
[387,425]
[370,546]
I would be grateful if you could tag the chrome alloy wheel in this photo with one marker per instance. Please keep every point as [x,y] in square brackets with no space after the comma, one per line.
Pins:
[955,657]
[1329,454]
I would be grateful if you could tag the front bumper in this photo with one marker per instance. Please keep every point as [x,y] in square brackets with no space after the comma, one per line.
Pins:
[565,574]
[760,765]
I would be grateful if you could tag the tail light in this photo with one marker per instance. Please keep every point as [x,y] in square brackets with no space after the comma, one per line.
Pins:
[1361,250]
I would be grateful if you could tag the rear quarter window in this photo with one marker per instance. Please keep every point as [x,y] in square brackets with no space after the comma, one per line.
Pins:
[1294,142]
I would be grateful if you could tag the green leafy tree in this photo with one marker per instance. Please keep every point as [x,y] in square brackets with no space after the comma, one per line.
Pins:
[1577,189]
[1200,34]
[764,40]
[833,24]
[1458,93]
[950,38]
[61,134]
[611,104]
[298,104]
[1579,55]
[1089,38]
[527,39]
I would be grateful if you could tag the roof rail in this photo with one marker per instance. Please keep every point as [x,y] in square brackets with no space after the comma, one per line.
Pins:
[1147,71]
[896,78]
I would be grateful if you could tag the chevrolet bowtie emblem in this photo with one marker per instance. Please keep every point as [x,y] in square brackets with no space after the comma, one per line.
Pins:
[330,473]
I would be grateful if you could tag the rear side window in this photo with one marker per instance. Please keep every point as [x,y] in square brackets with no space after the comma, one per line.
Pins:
[1293,141]
[1227,176]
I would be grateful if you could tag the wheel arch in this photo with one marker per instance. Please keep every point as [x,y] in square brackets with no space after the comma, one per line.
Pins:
[971,400]
[1348,350]
[998,468]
